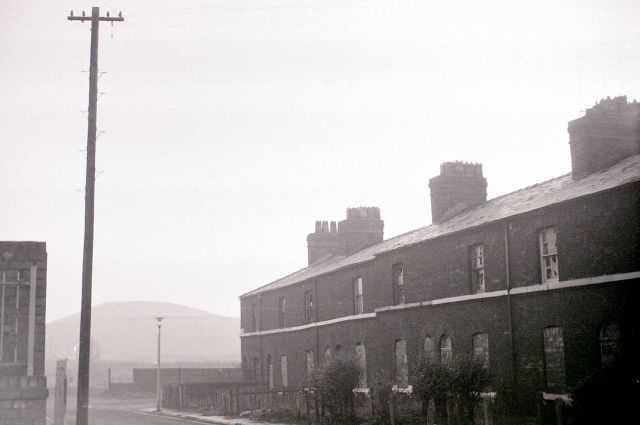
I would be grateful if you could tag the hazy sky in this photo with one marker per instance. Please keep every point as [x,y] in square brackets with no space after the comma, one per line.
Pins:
[231,126]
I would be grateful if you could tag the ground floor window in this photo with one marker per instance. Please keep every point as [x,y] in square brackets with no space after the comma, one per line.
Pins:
[402,366]
[554,358]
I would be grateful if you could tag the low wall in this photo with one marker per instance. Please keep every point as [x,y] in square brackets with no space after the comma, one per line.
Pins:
[144,379]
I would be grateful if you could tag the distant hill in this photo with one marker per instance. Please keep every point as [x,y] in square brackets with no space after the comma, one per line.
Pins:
[127,332]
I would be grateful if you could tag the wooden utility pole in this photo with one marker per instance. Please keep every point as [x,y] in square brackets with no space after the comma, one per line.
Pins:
[82,409]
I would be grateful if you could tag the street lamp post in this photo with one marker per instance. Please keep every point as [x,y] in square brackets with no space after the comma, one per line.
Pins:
[158,387]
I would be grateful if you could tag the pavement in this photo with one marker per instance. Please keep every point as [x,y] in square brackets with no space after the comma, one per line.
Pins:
[213,419]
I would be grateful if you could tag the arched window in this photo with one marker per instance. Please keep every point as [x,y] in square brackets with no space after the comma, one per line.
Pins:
[429,348]
[610,347]
[402,366]
[270,371]
[554,358]
[446,354]
[361,358]
[481,348]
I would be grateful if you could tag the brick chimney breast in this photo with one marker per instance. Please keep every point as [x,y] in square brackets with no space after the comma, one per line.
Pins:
[607,133]
[460,186]
[362,228]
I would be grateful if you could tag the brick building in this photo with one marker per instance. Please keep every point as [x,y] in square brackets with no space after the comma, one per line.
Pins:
[542,282]
[23,286]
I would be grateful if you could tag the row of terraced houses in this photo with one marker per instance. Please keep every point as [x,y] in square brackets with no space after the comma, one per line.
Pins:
[542,283]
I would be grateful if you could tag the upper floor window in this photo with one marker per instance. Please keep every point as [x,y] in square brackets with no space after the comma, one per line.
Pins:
[446,353]
[610,347]
[481,348]
[282,312]
[548,254]
[361,358]
[308,307]
[398,284]
[477,269]
[554,366]
[402,365]
[254,317]
[358,301]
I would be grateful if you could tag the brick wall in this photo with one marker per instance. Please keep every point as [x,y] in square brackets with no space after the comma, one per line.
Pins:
[22,397]
[597,236]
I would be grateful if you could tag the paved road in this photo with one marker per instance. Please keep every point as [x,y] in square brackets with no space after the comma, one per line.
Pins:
[107,416]
[119,412]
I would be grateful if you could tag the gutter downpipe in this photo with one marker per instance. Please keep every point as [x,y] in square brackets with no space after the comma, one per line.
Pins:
[260,339]
[507,230]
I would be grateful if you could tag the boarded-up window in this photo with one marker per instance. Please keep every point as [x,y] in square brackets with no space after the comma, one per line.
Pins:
[284,373]
[549,254]
[310,364]
[446,353]
[358,300]
[429,348]
[477,269]
[270,371]
[402,366]
[282,312]
[610,347]
[308,307]
[14,317]
[554,358]
[398,284]
[361,358]
[481,348]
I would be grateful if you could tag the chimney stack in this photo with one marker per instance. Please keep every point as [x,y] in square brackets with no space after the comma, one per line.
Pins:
[608,133]
[460,186]
[362,228]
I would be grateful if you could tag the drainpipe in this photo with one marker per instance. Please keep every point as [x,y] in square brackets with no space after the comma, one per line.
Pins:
[260,338]
[507,230]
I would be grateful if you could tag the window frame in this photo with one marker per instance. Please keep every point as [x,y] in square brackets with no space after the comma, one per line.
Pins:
[308,307]
[477,269]
[361,359]
[397,279]
[551,255]
[481,351]
[555,375]
[401,363]
[282,311]
[448,359]
[358,295]
[284,371]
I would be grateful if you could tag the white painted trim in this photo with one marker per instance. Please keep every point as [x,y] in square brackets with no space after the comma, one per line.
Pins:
[550,286]
[552,397]
[595,280]
[32,319]
[460,298]
[312,325]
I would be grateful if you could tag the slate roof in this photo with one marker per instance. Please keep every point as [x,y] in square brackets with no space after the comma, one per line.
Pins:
[554,191]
